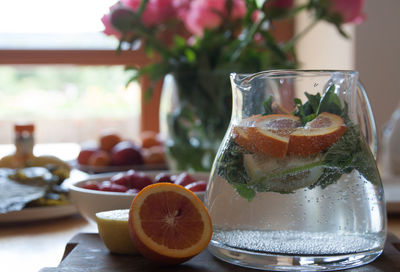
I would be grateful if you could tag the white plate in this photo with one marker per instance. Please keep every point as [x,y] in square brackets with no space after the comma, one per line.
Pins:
[38,213]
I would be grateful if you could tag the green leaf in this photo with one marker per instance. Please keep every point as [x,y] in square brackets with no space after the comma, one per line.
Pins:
[313,101]
[364,163]
[268,105]
[231,168]
[299,110]
[179,41]
[330,102]
[190,55]
[244,191]
[329,176]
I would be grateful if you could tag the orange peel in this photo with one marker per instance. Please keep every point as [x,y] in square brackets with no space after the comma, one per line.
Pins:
[240,135]
[317,135]
[169,224]
[270,133]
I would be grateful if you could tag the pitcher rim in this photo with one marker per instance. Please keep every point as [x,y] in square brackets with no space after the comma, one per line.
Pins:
[288,72]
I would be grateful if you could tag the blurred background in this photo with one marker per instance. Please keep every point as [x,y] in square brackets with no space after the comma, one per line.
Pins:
[58,70]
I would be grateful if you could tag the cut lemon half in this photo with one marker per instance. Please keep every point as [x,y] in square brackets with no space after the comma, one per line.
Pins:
[114,231]
[169,224]
[317,135]
[270,133]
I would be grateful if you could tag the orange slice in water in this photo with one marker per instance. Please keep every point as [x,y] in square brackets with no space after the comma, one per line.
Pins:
[240,135]
[169,224]
[317,135]
[270,133]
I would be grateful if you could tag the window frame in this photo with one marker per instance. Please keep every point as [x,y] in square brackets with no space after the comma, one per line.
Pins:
[149,119]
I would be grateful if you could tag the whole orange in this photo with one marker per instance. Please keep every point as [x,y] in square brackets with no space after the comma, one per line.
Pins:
[100,158]
[84,155]
[149,139]
[154,155]
[108,140]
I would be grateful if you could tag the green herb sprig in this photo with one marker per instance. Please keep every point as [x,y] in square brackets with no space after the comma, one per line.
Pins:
[349,153]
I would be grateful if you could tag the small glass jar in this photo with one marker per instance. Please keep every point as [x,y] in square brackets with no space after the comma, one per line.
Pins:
[24,142]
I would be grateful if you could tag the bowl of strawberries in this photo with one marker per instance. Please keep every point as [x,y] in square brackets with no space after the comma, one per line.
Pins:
[112,191]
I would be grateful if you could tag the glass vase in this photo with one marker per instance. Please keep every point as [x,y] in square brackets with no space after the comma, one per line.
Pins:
[195,111]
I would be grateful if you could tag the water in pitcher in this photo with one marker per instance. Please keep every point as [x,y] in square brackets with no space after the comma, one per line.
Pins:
[297,189]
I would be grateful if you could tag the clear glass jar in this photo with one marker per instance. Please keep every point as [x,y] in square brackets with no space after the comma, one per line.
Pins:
[295,185]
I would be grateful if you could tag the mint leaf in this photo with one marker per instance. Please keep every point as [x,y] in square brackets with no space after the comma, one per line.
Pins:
[245,191]
[329,176]
[307,111]
[231,168]
[340,154]
[268,106]
[313,102]
[330,102]
[364,163]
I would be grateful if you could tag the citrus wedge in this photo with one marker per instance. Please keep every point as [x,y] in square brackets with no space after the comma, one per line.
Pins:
[270,133]
[317,135]
[169,224]
[240,135]
[114,231]
[282,175]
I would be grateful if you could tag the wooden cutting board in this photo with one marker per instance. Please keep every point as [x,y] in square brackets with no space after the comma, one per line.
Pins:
[86,253]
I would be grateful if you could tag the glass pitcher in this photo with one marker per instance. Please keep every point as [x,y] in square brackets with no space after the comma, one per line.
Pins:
[295,184]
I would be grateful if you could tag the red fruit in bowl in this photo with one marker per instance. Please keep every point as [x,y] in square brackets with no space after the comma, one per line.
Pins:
[198,186]
[163,177]
[84,155]
[91,185]
[138,180]
[121,179]
[184,179]
[126,153]
[108,186]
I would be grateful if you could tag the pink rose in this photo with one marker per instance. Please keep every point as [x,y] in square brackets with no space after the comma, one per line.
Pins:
[155,12]
[181,8]
[108,28]
[132,4]
[256,16]
[349,10]
[239,9]
[209,14]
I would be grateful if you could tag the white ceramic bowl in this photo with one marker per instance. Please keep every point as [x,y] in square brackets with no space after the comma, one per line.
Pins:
[89,202]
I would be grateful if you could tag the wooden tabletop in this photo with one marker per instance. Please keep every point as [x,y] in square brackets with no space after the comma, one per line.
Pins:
[42,243]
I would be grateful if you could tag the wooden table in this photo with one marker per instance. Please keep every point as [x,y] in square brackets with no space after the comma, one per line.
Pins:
[32,246]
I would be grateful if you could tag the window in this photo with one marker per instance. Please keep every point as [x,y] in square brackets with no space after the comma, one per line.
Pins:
[55,70]
[68,103]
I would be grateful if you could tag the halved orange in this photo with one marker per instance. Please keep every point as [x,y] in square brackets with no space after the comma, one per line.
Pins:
[240,135]
[317,135]
[270,133]
[169,224]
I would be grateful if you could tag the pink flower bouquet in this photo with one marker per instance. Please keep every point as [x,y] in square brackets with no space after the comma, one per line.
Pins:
[200,42]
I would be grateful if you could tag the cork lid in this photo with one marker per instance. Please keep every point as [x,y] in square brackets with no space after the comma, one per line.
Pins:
[21,127]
